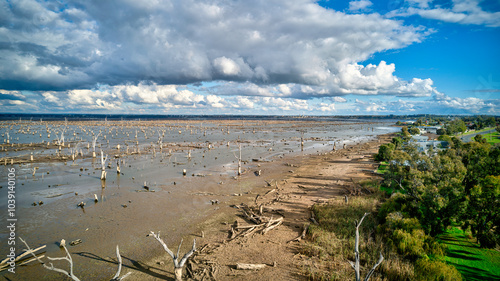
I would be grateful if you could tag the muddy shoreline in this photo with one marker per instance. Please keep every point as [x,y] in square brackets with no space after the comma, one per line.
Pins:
[126,213]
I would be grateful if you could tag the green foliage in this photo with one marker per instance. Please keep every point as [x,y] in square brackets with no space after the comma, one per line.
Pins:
[445,138]
[484,211]
[456,126]
[441,131]
[498,128]
[404,132]
[414,131]
[398,142]
[479,139]
[427,269]
[385,152]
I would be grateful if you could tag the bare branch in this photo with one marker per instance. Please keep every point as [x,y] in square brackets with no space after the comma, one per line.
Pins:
[188,254]
[178,249]
[51,267]
[157,237]
[117,275]
[380,259]
[352,264]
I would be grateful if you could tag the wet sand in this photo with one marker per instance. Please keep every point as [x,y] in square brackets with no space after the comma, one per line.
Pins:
[125,214]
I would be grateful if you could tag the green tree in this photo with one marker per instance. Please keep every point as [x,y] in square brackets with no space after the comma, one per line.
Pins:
[456,126]
[435,194]
[484,211]
[414,131]
[398,142]
[480,139]
[445,138]
[404,132]
[385,152]
[441,131]
[490,121]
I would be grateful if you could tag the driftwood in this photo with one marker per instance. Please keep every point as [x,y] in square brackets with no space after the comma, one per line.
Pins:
[68,258]
[262,224]
[5,264]
[178,264]
[302,235]
[249,266]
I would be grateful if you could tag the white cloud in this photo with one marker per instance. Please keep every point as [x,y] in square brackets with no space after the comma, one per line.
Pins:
[339,99]
[327,107]
[461,11]
[359,5]
[469,104]
[226,66]
[420,3]
[184,41]
[370,77]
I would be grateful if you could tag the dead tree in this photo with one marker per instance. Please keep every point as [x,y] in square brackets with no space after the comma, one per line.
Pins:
[103,166]
[239,161]
[68,258]
[177,264]
[94,141]
[355,265]
[60,139]
[74,152]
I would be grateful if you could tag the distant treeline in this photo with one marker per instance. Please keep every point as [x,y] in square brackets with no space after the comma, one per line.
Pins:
[117,117]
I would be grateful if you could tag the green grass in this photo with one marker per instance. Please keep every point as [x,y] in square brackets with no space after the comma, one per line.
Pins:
[492,138]
[477,131]
[473,262]
[382,169]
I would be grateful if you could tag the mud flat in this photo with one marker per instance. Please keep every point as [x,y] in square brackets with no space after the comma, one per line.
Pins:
[198,205]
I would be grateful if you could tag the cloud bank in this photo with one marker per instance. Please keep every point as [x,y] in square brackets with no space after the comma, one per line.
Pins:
[168,55]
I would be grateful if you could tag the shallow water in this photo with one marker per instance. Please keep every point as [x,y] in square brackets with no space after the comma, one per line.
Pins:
[206,141]
[210,169]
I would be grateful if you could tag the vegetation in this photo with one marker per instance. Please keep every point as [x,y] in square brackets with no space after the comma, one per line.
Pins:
[473,262]
[409,253]
[414,131]
[437,216]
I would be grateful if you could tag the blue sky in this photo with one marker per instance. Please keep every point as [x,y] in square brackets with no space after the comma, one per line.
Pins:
[250,57]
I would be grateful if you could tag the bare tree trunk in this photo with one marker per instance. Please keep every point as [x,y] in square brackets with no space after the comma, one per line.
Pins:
[356,265]
[178,273]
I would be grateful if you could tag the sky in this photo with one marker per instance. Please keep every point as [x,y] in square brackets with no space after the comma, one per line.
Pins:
[259,57]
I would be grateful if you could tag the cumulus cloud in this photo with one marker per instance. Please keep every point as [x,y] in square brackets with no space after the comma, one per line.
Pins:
[119,55]
[80,44]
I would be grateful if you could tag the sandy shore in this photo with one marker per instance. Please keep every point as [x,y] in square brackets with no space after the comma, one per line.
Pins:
[301,181]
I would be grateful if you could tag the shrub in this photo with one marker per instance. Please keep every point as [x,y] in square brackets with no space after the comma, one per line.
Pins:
[385,152]
[428,270]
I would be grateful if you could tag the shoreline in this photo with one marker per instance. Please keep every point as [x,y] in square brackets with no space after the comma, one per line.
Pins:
[218,256]
[144,263]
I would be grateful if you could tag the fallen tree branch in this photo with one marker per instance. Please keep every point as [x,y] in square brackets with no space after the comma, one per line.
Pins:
[302,235]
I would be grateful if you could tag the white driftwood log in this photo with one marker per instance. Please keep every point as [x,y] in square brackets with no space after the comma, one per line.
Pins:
[249,266]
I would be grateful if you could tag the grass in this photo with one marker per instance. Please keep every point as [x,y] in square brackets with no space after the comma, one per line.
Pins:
[478,131]
[382,168]
[492,138]
[473,262]
[331,243]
